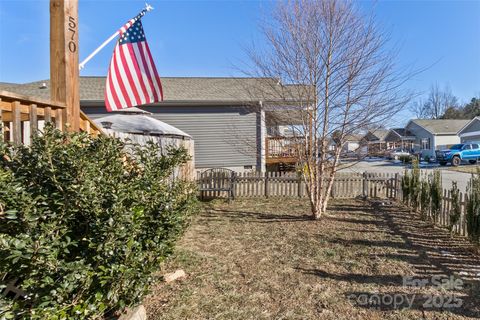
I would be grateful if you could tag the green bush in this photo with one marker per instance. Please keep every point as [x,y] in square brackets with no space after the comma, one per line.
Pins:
[415,185]
[412,187]
[84,223]
[425,198]
[455,210]
[405,159]
[436,195]
[473,209]
[405,184]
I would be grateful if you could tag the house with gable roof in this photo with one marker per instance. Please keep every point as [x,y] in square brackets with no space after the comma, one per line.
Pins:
[434,134]
[231,120]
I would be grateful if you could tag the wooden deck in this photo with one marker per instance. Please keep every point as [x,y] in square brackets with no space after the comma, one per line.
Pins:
[22,115]
[282,149]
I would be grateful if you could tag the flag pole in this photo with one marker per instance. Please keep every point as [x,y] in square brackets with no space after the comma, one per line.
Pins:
[113,36]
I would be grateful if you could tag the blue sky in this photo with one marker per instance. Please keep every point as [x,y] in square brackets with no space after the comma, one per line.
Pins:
[206,38]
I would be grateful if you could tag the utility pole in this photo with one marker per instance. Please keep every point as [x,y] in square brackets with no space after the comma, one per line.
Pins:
[64,73]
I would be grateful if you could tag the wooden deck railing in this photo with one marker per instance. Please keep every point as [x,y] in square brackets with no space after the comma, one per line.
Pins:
[282,149]
[21,115]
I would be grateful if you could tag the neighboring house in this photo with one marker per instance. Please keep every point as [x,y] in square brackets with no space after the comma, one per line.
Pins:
[352,143]
[226,117]
[471,131]
[434,134]
[373,142]
[400,138]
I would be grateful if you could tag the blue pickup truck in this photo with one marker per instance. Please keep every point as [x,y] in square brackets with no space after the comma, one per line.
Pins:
[459,152]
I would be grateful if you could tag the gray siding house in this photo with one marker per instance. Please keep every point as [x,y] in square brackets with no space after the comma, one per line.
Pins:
[471,131]
[226,117]
[400,138]
[373,142]
[431,135]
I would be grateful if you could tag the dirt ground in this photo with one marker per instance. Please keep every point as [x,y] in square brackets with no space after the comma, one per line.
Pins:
[265,259]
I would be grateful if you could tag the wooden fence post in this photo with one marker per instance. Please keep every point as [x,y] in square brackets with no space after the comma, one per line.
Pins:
[16,123]
[299,186]
[459,226]
[266,184]
[234,182]
[364,185]
[33,119]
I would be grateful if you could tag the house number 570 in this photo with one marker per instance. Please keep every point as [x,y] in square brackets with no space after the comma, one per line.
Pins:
[72,28]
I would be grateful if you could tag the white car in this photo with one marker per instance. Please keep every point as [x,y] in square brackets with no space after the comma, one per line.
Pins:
[395,154]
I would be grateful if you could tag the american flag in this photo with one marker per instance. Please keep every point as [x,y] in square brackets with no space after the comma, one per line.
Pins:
[132,77]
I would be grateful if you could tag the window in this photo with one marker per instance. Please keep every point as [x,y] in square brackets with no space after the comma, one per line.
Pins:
[474,146]
[425,143]
[467,147]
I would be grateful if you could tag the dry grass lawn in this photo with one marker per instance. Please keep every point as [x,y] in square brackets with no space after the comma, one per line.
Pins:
[265,259]
[465,168]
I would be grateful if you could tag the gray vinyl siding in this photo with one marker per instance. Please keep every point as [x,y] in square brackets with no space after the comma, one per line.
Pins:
[419,134]
[475,138]
[225,136]
[472,127]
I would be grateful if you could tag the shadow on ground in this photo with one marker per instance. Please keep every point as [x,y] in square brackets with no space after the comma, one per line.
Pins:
[266,259]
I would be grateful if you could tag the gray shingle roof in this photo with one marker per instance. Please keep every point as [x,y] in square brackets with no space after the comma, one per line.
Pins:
[381,134]
[402,132]
[175,89]
[441,126]
[7,86]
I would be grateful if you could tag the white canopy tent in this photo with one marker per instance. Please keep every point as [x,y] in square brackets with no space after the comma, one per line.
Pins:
[137,126]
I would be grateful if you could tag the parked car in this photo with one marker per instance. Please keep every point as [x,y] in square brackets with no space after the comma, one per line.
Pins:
[397,153]
[458,153]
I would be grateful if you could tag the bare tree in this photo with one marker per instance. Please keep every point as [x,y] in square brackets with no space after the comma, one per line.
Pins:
[334,74]
[438,101]
[419,109]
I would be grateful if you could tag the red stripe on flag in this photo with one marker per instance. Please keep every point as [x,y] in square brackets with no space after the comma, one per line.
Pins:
[130,80]
[125,94]
[149,76]
[157,77]
[113,92]
[138,72]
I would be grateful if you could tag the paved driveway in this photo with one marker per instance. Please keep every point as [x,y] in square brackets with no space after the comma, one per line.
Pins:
[389,167]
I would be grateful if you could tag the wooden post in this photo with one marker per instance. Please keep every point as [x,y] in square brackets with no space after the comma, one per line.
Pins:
[33,119]
[233,182]
[395,188]
[364,185]
[299,187]
[266,184]
[64,73]
[47,114]
[16,123]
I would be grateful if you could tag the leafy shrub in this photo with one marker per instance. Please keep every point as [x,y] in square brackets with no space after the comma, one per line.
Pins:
[473,209]
[455,210]
[405,184]
[84,223]
[415,185]
[405,158]
[424,198]
[436,194]
[411,186]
